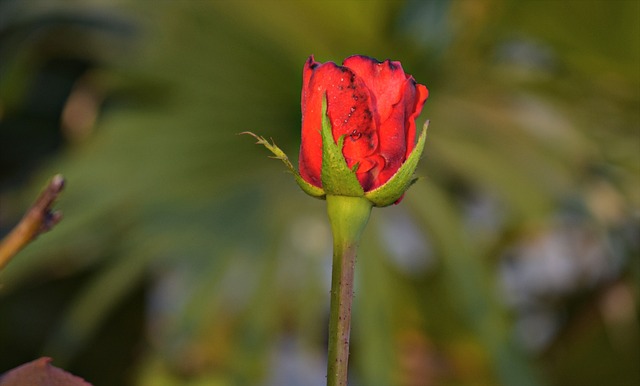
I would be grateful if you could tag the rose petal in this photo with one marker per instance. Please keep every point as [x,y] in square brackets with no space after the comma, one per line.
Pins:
[412,113]
[398,132]
[368,171]
[310,162]
[348,106]
[385,80]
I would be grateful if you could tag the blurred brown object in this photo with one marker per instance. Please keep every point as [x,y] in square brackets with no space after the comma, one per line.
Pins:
[38,219]
[40,372]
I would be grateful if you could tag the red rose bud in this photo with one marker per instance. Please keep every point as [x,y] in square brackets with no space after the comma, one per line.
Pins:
[358,130]
[371,105]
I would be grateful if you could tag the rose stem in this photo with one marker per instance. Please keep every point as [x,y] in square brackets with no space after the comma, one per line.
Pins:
[348,217]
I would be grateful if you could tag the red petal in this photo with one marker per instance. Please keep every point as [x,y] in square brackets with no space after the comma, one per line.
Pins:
[310,161]
[368,171]
[384,79]
[398,132]
[309,66]
[348,105]
[351,115]
[413,111]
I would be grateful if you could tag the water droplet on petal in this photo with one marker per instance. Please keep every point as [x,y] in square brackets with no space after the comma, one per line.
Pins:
[355,135]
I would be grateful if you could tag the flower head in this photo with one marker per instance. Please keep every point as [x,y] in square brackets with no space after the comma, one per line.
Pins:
[372,104]
[358,130]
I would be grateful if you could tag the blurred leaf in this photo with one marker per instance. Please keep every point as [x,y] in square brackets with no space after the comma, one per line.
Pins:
[533,109]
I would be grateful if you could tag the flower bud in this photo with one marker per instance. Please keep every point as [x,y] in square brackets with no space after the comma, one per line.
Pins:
[370,112]
[358,130]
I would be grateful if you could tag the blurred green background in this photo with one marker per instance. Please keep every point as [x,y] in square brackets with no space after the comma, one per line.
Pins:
[188,257]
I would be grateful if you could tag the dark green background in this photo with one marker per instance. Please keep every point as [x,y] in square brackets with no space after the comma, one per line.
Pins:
[188,257]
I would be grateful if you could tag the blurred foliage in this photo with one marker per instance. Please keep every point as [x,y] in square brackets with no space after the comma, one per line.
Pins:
[188,257]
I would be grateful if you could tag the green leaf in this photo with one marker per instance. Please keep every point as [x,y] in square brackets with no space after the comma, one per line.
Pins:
[398,184]
[311,190]
[337,178]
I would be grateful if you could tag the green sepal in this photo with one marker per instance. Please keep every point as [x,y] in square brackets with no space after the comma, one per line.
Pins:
[308,188]
[393,189]
[337,178]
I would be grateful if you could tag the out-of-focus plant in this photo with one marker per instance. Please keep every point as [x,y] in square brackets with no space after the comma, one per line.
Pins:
[38,219]
[185,257]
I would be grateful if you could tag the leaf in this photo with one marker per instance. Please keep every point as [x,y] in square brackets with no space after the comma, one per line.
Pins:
[40,372]
[337,178]
[311,190]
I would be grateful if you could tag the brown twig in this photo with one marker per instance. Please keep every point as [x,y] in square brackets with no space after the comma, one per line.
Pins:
[38,219]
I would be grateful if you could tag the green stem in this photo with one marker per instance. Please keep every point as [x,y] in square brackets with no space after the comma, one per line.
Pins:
[348,217]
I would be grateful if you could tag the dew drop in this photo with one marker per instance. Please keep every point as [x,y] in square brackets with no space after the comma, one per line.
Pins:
[355,135]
